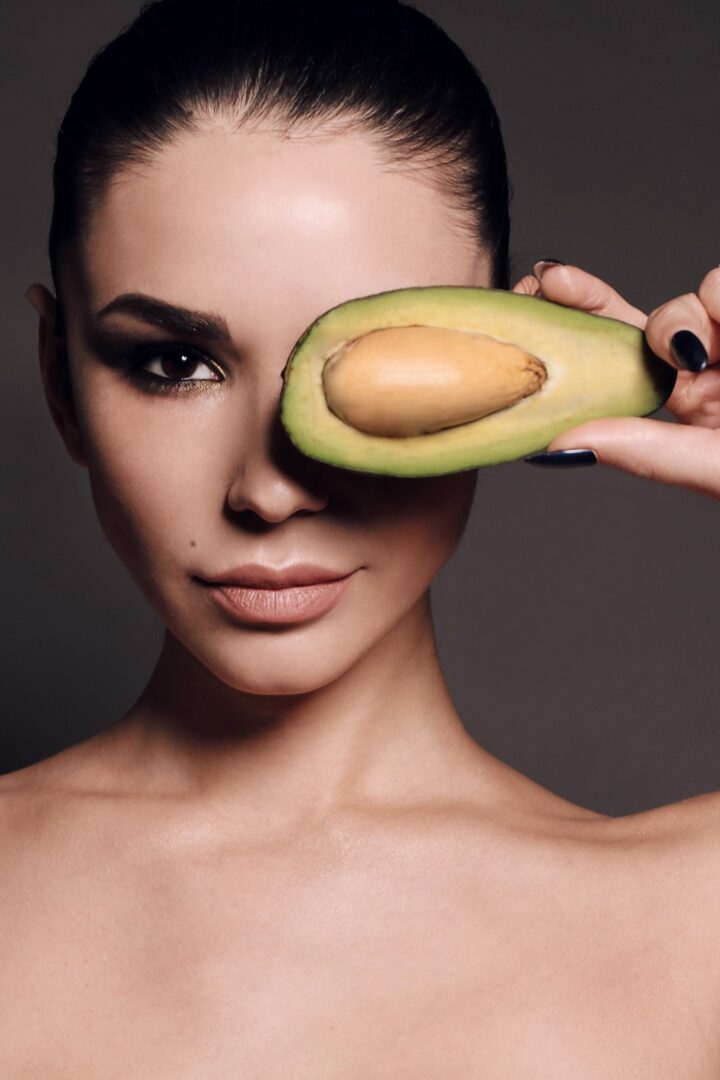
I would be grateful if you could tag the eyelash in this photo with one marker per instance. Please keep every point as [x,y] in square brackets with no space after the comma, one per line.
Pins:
[148,380]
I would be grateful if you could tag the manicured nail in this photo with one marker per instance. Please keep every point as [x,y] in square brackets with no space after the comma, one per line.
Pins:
[563,458]
[542,263]
[688,351]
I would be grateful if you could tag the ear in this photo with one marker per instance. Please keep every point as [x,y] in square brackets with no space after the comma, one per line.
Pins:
[55,372]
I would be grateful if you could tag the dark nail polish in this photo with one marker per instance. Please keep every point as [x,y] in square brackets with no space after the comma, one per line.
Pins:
[688,351]
[558,261]
[563,458]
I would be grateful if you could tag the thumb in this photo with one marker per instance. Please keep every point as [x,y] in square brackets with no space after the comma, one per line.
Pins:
[671,453]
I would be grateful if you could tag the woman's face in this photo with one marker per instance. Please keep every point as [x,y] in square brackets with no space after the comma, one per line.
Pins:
[264,234]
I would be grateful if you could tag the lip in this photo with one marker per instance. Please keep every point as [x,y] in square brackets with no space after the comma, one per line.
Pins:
[257,576]
[278,605]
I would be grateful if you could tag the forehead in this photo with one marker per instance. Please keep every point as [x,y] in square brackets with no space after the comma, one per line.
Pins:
[306,221]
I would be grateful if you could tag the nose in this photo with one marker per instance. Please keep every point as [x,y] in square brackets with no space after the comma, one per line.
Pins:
[272,479]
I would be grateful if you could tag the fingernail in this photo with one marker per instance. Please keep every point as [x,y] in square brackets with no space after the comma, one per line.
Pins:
[563,458]
[540,266]
[688,351]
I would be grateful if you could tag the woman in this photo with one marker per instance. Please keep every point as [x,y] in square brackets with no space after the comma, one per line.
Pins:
[289,858]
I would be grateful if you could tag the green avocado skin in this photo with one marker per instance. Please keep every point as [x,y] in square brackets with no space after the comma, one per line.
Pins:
[597,367]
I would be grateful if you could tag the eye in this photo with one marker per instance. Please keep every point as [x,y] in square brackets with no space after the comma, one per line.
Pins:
[175,363]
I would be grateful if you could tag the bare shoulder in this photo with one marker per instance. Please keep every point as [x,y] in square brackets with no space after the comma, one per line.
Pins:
[665,860]
[675,852]
[41,804]
[32,804]
[23,791]
[692,823]
[687,832]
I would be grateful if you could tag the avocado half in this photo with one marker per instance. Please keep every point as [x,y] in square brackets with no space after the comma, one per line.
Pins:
[438,379]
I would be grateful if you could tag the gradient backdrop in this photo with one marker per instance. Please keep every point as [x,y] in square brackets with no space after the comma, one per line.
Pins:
[579,623]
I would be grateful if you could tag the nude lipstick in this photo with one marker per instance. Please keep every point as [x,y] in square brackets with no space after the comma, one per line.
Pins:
[258,594]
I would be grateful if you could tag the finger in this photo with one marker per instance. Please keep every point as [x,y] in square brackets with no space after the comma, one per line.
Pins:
[676,454]
[688,312]
[709,293]
[529,285]
[696,397]
[574,287]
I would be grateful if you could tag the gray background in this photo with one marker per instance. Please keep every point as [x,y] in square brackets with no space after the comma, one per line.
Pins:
[578,623]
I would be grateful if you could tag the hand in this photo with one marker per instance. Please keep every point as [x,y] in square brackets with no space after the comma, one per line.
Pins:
[686,454]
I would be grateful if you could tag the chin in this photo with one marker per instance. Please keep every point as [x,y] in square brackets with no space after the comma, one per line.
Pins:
[274,664]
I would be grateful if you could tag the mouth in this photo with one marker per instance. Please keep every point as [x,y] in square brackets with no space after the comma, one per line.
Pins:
[263,595]
[258,576]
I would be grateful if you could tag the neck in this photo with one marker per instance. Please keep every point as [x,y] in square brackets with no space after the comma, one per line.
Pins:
[384,732]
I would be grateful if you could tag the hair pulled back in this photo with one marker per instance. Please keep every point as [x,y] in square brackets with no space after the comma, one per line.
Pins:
[379,65]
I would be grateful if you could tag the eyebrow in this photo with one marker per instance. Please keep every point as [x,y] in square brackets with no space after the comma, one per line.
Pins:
[178,319]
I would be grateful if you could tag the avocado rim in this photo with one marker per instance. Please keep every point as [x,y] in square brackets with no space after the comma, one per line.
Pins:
[620,348]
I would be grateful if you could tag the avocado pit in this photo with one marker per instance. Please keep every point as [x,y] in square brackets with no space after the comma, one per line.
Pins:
[412,380]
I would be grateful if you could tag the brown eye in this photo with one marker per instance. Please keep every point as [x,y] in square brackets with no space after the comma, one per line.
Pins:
[177,363]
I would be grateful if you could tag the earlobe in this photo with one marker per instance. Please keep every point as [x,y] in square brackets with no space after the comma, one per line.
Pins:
[55,372]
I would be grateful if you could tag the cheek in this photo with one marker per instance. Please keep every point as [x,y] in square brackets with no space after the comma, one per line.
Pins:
[152,470]
[444,510]
[423,523]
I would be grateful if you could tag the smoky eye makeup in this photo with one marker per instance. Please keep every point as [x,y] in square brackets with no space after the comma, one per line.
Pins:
[178,366]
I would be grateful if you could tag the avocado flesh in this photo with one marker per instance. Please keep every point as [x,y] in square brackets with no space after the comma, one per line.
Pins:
[596,367]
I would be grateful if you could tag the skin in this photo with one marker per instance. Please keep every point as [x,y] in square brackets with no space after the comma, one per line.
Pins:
[289,849]
[685,454]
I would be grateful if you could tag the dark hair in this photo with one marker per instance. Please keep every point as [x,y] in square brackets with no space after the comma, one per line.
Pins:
[379,65]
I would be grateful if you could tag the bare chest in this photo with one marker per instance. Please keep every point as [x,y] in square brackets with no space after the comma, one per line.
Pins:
[397,978]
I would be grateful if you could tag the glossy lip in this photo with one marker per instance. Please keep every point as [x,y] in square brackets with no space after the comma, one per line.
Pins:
[278,606]
[257,576]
